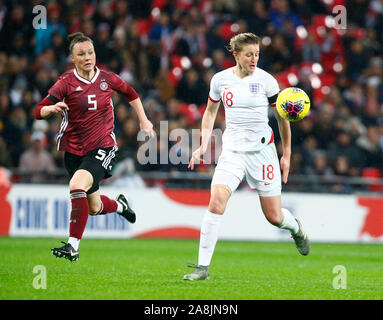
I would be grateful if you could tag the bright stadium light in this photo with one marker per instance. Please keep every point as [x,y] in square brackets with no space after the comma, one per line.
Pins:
[337,67]
[293,79]
[185,63]
[207,62]
[315,82]
[156,12]
[302,32]
[321,30]
[317,68]
[329,22]
[266,41]
[234,27]
[325,90]
[177,72]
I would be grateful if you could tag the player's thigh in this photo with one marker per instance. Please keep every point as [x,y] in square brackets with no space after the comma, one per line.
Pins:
[227,176]
[263,172]
[230,170]
[94,202]
[99,163]
[81,179]
[272,209]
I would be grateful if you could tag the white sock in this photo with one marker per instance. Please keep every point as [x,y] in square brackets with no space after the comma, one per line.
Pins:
[120,208]
[208,237]
[74,242]
[289,222]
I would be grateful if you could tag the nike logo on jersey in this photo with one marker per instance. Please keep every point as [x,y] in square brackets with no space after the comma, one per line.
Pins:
[78,88]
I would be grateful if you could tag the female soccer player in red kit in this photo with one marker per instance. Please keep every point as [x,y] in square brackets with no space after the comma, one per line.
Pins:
[83,98]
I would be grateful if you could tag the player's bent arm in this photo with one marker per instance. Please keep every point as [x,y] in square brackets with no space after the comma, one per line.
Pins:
[145,124]
[139,108]
[207,124]
[46,108]
[285,133]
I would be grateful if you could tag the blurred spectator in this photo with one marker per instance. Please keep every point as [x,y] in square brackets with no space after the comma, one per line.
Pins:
[129,136]
[214,39]
[319,171]
[320,165]
[281,12]
[341,168]
[5,159]
[258,18]
[190,87]
[369,143]
[355,98]
[13,131]
[310,50]
[164,87]
[36,159]
[323,126]
[356,11]
[342,145]
[103,43]
[15,24]
[357,60]
[279,54]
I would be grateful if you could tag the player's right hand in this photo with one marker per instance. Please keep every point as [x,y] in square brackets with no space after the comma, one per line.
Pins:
[196,156]
[60,106]
[57,108]
[47,111]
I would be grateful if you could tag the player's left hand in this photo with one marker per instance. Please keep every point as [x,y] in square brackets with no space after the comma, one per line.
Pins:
[285,167]
[147,126]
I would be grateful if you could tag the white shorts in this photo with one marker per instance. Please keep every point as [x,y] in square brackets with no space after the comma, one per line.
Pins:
[261,169]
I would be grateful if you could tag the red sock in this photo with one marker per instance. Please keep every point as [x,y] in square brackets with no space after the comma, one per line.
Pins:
[79,213]
[108,205]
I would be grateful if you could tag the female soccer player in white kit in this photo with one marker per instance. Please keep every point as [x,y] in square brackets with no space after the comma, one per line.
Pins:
[248,148]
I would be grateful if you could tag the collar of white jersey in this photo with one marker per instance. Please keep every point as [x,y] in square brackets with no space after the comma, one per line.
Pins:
[85,80]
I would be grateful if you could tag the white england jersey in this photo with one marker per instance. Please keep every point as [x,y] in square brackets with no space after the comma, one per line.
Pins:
[246,108]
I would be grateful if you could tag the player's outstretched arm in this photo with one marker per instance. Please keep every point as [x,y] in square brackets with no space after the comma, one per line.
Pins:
[208,120]
[285,133]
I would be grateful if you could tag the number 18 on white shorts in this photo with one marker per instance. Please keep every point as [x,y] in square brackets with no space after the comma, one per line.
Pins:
[261,169]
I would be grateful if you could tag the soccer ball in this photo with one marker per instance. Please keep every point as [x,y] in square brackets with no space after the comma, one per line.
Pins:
[293,104]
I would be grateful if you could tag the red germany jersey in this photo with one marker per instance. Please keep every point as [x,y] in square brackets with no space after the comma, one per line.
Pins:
[89,122]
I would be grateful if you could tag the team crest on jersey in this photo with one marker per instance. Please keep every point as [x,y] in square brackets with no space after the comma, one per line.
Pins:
[103,86]
[254,88]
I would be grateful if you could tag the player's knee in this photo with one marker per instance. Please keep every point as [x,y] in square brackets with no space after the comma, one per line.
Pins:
[93,211]
[216,205]
[274,217]
[94,208]
[218,199]
[75,184]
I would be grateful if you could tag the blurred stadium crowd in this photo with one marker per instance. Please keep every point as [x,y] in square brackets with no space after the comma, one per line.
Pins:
[168,51]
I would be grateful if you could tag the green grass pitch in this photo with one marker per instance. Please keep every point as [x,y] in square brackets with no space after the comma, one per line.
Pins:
[152,269]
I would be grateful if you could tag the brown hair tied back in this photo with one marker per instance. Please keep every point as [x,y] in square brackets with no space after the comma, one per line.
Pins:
[238,41]
[76,38]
